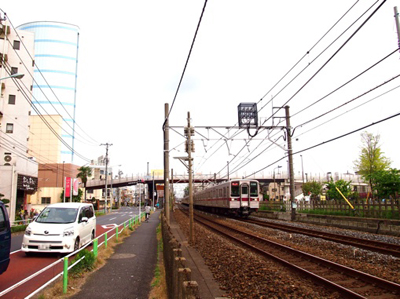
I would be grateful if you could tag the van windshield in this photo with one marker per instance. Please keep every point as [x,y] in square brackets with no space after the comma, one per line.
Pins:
[57,215]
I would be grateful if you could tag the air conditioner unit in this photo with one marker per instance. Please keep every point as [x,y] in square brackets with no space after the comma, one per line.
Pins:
[9,159]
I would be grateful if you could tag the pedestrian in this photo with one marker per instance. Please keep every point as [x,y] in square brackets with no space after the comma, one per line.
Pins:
[147,210]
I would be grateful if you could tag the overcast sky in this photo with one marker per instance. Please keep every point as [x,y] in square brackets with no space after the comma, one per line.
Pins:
[132,55]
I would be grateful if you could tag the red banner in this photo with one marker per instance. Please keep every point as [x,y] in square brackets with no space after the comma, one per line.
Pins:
[67,187]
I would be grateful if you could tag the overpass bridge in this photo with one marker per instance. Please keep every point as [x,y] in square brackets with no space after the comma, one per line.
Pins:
[177,179]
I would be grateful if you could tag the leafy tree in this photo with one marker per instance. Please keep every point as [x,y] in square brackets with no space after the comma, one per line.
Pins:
[313,188]
[75,198]
[342,185]
[387,183]
[84,173]
[371,158]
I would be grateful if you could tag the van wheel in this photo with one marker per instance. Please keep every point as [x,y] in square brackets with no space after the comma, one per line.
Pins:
[93,235]
[76,245]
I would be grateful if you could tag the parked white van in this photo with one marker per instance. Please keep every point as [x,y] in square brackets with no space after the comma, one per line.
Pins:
[61,227]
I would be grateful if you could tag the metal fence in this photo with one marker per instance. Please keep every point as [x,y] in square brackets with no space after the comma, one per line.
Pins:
[363,208]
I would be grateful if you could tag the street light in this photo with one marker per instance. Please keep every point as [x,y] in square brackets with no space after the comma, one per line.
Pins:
[274,182]
[16,76]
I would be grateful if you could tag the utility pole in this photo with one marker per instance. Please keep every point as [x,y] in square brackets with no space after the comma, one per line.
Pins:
[291,172]
[166,164]
[105,197]
[396,17]
[190,131]
[172,190]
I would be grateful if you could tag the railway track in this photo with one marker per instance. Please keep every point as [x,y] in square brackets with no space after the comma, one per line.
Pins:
[350,283]
[375,246]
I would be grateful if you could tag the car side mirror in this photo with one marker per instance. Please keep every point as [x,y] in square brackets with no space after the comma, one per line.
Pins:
[84,219]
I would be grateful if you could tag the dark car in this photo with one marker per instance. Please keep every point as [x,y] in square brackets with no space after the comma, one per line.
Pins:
[5,238]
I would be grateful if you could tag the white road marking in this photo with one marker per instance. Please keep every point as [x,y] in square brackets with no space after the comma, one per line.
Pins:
[112,218]
[113,225]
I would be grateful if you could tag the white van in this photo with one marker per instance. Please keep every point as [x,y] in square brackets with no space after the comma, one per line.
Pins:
[60,227]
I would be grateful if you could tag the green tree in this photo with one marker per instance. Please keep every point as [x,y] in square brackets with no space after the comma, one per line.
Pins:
[342,185]
[75,198]
[84,173]
[371,158]
[386,182]
[312,188]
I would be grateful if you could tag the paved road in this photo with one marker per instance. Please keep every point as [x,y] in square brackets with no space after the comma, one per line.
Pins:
[22,266]
[116,217]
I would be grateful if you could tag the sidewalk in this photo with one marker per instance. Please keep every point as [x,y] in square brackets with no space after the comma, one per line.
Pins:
[129,271]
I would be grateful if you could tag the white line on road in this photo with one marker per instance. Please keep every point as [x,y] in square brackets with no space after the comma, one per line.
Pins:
[112,218]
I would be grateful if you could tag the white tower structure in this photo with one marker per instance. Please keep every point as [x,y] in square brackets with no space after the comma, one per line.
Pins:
[55,80]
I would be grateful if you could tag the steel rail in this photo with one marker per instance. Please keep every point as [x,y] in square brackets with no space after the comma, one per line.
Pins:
[352,274]
[376,246]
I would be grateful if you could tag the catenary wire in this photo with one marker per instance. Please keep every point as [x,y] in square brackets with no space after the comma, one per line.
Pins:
[346,83]
[326,142]
[186,63]
[312,61]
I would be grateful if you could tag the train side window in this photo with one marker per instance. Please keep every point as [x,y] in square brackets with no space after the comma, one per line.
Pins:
[220,193]
[253,189]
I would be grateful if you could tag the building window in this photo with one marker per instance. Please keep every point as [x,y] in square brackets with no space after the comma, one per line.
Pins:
[11,99]
[14,70]
[9,128]
[46,200]
[16,44]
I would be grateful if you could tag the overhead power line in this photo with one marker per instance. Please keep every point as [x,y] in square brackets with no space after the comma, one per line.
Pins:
[186,63]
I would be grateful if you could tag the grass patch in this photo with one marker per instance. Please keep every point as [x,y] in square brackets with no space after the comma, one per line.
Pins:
[158,284]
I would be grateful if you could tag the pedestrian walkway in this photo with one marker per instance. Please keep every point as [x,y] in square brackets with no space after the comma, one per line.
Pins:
[129,271]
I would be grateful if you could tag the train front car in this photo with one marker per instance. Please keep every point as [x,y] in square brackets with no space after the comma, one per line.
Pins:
[244,197]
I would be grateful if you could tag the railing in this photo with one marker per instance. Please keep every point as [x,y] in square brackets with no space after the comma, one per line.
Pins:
[371,208]
[128,223]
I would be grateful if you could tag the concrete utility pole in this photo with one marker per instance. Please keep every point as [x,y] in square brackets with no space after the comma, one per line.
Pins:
[291,172]
[105,196]
[396,17]
[166,164]
[172,190]
[189,150]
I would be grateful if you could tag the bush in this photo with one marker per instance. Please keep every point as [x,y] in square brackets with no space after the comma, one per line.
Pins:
[18,228]
[87,264]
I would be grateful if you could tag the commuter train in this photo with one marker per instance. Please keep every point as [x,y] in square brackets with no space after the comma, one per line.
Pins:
[239,197]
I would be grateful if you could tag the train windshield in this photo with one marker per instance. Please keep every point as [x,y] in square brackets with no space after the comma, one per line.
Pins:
[235,189]
[253,189]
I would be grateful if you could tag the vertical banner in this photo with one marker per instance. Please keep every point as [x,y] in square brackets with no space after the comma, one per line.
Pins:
[67,187]
[76,187]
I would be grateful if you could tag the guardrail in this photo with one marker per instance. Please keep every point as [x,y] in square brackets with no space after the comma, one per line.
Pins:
[128,223]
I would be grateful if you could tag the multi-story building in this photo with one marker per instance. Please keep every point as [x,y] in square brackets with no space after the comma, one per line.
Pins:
[54,89]
[18,169]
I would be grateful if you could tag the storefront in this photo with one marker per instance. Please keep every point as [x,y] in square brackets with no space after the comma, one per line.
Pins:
[26,186]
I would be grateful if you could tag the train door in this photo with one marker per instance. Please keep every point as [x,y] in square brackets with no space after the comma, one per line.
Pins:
[244,198]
